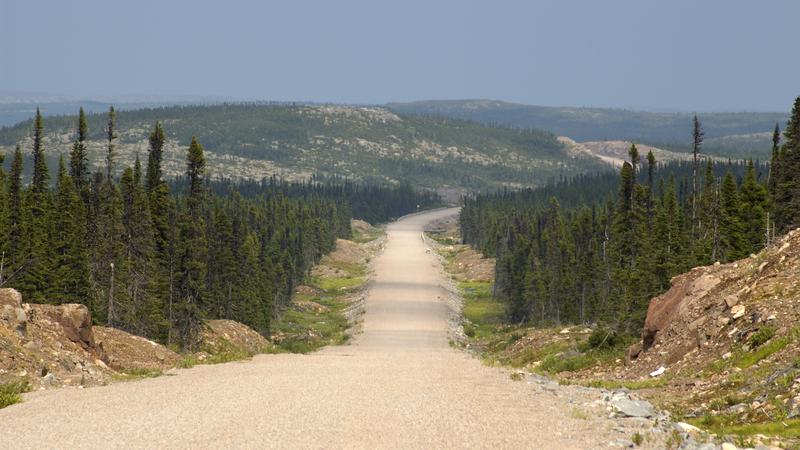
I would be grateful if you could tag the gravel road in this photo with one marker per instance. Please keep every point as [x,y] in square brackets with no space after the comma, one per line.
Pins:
[399,384]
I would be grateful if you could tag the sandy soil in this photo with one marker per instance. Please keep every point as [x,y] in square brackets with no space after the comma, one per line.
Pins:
[398,385]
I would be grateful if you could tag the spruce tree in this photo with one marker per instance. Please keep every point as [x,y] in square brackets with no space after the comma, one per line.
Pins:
[633,153]
[109,246]
[154,158]
[697,141]
[755,204]
[71,280]
[41,177]
[37,253]
[111,136]
[143,309]
[78,161]
[731,233]
[651,167]
[706,240]
[4,221]
[774,166]
[192,262]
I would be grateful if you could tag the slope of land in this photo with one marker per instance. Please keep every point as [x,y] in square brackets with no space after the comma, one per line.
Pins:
[295,142]
[616,152]
[736,135]
[398,385]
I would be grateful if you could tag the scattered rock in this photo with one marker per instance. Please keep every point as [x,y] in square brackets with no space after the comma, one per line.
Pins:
[633,408]
[220,336]
[309,306]
[658,372]
[727,355]
[686,428]
[633,352]
[737,311]
[49,379]
[736,409]
[793,408]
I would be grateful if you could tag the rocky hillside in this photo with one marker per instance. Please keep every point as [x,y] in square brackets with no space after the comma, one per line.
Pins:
[54,346]
[295,141]
[731,331]
[616,152]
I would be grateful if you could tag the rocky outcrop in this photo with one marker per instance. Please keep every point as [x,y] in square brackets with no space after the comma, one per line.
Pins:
[673,304]
[12,314]
[710,312]
[127,352]
[76,321]
[56,345]
[228,336]
[48,345]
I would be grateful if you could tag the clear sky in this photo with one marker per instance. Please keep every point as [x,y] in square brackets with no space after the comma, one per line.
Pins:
[666,54]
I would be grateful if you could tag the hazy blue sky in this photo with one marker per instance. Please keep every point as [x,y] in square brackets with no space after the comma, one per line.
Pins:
[690,55]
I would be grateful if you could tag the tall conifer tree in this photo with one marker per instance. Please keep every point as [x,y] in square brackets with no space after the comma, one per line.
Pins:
[191,281]
[78,160]
[71,279]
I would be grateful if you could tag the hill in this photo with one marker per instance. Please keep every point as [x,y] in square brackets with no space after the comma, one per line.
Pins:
[16,107]
[738,134]
[297,141]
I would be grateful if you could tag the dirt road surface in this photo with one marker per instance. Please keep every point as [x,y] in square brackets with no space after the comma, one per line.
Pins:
[398,385]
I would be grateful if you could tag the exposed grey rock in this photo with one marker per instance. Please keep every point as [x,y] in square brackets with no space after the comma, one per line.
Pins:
[49,379]
[737,409]
[633,408]
[793,408]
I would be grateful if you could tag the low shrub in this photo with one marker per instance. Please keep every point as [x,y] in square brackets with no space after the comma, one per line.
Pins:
[10,393]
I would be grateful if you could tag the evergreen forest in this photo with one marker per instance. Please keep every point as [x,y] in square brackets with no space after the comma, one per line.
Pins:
[155,256]
[596,248]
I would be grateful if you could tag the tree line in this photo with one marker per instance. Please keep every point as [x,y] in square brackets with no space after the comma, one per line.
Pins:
[621,238]
[155,257]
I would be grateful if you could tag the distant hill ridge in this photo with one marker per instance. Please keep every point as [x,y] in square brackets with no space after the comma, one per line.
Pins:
[728,134]
[297,141]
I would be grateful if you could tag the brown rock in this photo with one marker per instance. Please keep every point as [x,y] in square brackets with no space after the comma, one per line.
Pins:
[14,318]
[126,351]
[77,323]
[731,301]
[10,297]
[633,352]
[670,305]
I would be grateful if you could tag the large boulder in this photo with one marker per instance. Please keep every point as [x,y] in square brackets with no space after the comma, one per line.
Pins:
[77,322]
[672,304]
[126,351]
[10,297]
[12,315]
